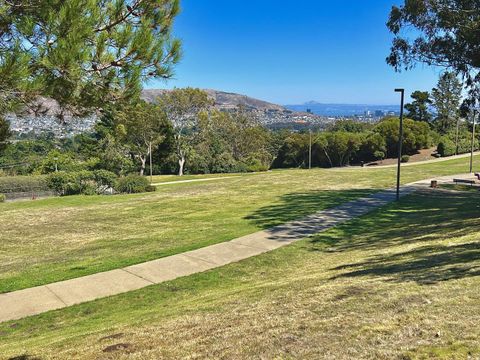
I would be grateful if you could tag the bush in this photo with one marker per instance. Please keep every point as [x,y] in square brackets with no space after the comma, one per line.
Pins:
[151,188]
[81,182]
[405,158]
[2,198]
[132,184]
[12,184]
[446,147]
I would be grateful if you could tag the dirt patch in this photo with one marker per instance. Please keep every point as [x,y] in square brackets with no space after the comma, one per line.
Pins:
[117,347]
[423,155]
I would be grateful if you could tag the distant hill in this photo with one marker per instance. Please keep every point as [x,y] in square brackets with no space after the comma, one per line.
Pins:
[44,114]
[224,100]
[334,110]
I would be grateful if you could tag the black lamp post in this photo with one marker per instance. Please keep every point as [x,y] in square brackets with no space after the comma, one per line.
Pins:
[400,140]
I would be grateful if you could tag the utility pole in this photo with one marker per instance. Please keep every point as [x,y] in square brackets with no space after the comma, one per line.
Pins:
[310,151]
[151,171]
[473,142]
[400,140]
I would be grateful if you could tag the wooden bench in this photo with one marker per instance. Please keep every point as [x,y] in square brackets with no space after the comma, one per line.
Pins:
[464,181]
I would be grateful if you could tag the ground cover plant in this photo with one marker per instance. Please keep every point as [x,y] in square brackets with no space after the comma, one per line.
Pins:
[375,287]
[59,238]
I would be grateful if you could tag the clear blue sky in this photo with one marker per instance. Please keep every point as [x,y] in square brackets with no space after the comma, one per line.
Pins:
[291,52]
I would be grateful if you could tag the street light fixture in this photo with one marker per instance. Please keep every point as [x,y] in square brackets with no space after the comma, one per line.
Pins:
[400,140]
[474,112]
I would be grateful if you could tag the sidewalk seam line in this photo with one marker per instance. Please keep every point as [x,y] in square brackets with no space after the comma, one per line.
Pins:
[140,277]
[56,295]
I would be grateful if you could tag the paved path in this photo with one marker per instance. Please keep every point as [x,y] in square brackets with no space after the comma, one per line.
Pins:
[453,157]
[195,180]
[32,301]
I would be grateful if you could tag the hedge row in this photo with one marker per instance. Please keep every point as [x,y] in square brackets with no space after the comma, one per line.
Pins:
[14,184]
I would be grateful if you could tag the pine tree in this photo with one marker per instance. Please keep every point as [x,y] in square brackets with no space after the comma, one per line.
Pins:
[446,99]
[84,53]
[418,109]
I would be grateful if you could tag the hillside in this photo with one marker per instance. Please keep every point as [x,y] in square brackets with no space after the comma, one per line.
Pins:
[44,115]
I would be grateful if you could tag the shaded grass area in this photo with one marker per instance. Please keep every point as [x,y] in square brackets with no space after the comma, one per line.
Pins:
[60,238]
[399,283]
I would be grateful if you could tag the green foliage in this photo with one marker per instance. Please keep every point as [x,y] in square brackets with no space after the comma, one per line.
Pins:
[2,198]
[132,184]
[348,125]
[405,158]
[141,127]
[447,97]
[12,184]
[84,53]
[183,108]
[446,33]
[416,135]
[446,147]
[81,182]
[418,109]
[4,133]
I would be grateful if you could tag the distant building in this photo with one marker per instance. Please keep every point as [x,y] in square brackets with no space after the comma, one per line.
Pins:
[379,113]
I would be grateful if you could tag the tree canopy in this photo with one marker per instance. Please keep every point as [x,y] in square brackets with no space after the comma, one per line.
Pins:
[83,53]
[437,32]
[418,108]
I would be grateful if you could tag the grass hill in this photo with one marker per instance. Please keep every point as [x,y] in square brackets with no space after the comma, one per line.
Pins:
[375,287]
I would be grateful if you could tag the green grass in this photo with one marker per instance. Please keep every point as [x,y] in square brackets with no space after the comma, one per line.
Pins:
[60,238]
[399,283]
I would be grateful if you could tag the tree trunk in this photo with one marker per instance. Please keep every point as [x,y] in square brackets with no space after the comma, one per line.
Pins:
[142,168]
[181,164]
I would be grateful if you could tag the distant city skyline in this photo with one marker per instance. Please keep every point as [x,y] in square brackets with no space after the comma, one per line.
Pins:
[328,52]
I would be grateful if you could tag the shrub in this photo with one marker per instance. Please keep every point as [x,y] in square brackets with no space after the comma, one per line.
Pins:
[405,158]
[151,188]
[11,184]
[379,155]
[132,184]
[2,198]
[81,182]
[446,147]
[59,181]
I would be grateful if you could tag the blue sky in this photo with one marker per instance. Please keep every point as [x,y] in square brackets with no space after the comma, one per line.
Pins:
[292,52]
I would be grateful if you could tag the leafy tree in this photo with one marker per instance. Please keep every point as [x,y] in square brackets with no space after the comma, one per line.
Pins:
[142,126]
[416,135]
[447,97]
[445,33]
[183,107]
[84,53]
[4,133]
[418,108]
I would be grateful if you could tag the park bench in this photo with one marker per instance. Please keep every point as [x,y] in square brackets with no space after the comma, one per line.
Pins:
[477,175]
[464,181]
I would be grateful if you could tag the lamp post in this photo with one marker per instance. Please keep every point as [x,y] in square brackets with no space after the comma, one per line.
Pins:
[310,151]
[473,141]
[400,140]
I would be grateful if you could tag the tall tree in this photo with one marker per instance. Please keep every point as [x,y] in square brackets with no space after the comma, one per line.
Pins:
[142,127]
[437,32]
[182,107]
[84,53]
[447,98]
[418,108]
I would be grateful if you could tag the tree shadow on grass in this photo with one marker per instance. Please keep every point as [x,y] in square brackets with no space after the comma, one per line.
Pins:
[426,265]
[294,206]
[417,220]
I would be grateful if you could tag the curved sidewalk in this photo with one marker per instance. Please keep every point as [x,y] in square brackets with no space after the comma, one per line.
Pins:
[32,301]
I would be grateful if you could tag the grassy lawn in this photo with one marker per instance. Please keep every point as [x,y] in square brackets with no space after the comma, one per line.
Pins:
[59,238]
[399,283]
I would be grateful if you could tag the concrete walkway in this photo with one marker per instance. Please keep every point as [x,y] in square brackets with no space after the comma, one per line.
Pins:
[195,180]
[32,301]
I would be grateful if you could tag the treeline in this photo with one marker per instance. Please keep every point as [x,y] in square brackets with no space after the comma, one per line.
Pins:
[182,132]
[350,142]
